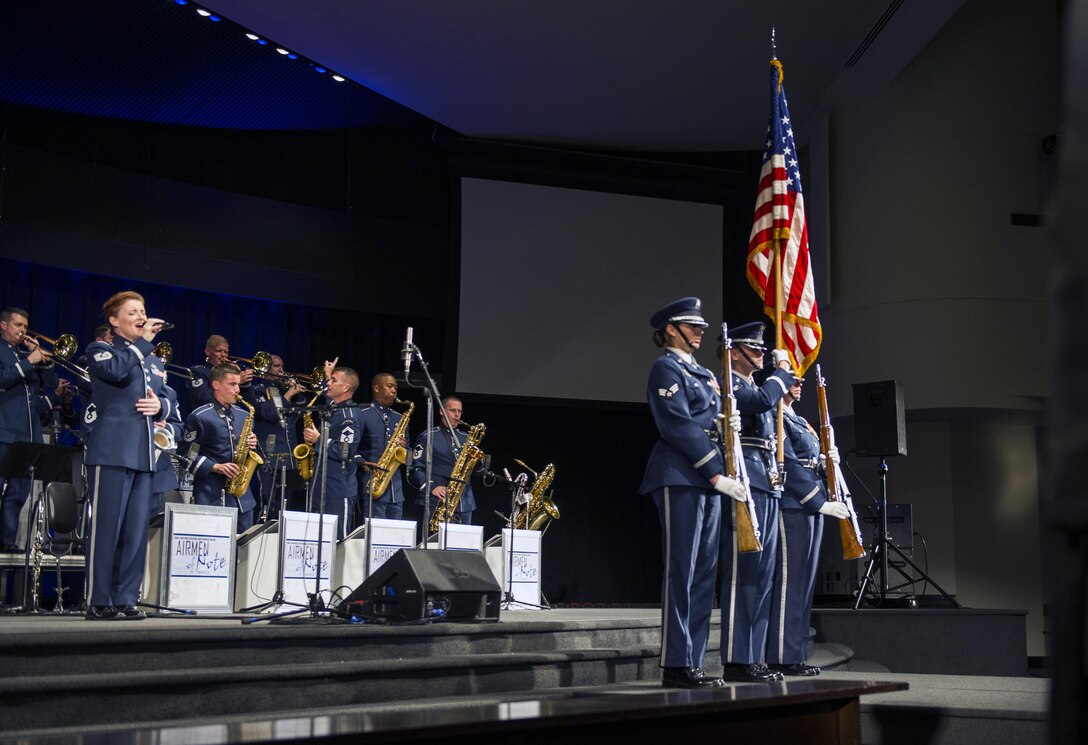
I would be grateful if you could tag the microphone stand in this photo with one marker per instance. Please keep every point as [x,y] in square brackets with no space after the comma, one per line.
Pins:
[315,606]
[517,491]
[432,394]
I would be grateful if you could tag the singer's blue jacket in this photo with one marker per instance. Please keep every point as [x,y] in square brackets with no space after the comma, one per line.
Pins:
[121,372]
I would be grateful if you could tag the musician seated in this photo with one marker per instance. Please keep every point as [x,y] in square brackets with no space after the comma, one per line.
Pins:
[445,447]
[279,429]
[28,383]
[216,352]
[216,427]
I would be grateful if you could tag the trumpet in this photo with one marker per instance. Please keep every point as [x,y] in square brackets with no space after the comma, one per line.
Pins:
[64,346]
[165,352]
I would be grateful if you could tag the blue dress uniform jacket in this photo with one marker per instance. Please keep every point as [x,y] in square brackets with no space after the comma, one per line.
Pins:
[25,395]
[200,386]
[684,401]
[799,535]
[378,425]
[444,454]
[341,485]
[747,579]
[119,458]
[216,429]
[266,424]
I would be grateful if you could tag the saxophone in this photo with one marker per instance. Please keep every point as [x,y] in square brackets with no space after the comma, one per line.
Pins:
[538,509]
[244,458]
[303,453]
[393,456]
[466,461]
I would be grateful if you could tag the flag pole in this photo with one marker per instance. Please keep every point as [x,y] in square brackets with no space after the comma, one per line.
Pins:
[779,304]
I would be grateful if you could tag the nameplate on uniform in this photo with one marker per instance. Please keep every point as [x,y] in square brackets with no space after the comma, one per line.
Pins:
[300,536]
[198,558]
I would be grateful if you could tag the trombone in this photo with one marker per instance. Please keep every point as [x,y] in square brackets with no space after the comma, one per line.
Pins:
[64,346]
[261,362]
[165,352]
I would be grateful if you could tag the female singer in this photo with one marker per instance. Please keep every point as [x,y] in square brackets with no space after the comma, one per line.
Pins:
[685,476]
[128,393]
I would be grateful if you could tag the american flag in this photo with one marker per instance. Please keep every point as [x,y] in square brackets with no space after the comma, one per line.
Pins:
[780,216]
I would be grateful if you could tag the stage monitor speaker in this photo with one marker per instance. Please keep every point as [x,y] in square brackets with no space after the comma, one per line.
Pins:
[880,422]
[427,585]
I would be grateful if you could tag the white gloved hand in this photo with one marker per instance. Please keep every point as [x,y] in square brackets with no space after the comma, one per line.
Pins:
[731,488]
[835,509]
[833,454]
[779,356]
[734,422]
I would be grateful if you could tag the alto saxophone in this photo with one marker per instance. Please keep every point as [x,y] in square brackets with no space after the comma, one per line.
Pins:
[303,453]
[246,460]
[538,509]
[393,456]
[466,461]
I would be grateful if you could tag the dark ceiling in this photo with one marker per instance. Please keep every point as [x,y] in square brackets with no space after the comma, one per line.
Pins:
[686,75]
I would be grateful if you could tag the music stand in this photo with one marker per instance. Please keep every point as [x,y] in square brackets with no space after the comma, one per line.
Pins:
[35,461]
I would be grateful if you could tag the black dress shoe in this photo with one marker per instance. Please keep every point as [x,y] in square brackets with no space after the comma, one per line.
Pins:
[798,669]
[130,613]
[754,673]
[688,677]
[101,613]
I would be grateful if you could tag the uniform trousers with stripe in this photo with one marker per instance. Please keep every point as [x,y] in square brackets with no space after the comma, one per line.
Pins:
[690,525]
[799,538]
[747,581]
[120,503]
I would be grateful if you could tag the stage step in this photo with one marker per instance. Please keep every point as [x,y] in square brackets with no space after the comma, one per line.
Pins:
[100,674]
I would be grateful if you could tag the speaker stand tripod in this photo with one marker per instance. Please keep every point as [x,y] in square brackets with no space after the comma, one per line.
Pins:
[878,556]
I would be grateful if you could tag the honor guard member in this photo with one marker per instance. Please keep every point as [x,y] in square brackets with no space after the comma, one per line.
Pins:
[800,529]
[685,477]
[128,399]
[271,422]
[216,427]
[747,578]
[445,448]
[345,433]
[379,422]
[27,392]
[216,352]
[165,477]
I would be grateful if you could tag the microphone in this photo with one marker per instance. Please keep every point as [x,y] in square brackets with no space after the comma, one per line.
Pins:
[277,401]
[344,455]
[270,444]
[194,449]
[406,353]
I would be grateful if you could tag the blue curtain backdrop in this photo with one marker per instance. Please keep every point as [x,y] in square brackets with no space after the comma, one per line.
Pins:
[64,301]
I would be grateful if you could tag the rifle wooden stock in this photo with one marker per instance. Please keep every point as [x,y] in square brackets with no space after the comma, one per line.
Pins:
[745,523]
[849,529]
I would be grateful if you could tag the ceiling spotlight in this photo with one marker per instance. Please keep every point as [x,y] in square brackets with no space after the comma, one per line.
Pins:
[281,50]
[338,78]
[253,37]
[203,12]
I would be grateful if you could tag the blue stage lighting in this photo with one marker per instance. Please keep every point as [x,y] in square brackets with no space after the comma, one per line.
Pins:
[182,2]
[319,69]
[292,55]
